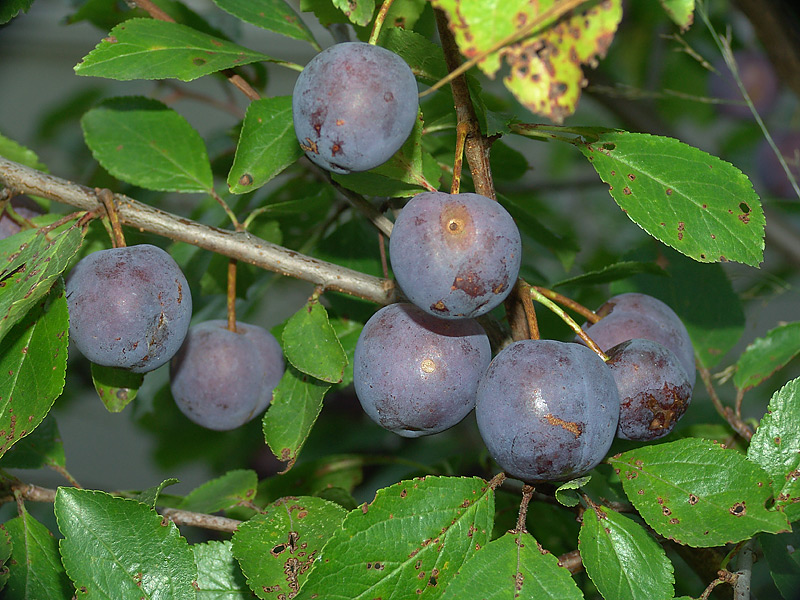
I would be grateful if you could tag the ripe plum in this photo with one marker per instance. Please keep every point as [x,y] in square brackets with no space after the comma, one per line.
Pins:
[455,255]
[221,379]
[654,389]
[633,315]
[547,410]
[415,374]
[128,307]
[353,106]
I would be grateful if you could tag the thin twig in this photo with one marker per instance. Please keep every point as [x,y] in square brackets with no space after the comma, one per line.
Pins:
[527,494]
[588,314]
[571,561]
[240,245]
[739,426]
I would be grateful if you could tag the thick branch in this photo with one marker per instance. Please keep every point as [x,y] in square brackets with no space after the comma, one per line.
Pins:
[241,246]
[34,493]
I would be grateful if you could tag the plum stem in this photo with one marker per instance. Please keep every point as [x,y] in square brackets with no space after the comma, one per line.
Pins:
[376,28]
[522,290]
[462,129]
[539,297]
[231,304]
[107,198]
[590,315]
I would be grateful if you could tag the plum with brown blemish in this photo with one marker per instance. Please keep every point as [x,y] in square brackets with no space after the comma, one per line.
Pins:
[455,255]
[353,107]
[654,389]
[633,315]
[128,307]
[415,374]
[221,379]
[547,410]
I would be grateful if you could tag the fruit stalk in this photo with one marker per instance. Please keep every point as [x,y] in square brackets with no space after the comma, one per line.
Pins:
[539,297]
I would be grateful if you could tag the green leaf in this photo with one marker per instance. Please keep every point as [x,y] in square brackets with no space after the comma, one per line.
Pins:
[712,312]
[698,493]
[622,559]
[767,355]
[784,561]
[775,444]
[680,11]
[35,569]
[342,471]
[545,69]
[41,448]
[116,387]
[153,49]
[347,332]
[415,535]
[311,345]
[143,142]
[11,8]
[425,58]
[218,574]
[122,549]
[566,493]
[358,11]
[223,492]
[6,548]
[296,404]
[513,566]
[277,548]
[150,495]
[272,15]
[18,153]
[267,144]
[33,367]
[410,171]
[613,272]
[28,274]
[688,199]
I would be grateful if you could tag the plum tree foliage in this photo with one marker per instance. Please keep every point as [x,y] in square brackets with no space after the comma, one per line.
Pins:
[435,216]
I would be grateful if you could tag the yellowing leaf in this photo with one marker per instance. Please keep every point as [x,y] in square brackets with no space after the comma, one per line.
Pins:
[546,69]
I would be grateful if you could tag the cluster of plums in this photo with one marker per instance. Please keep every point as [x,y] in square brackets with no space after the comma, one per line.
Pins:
[130,308]
[547,410]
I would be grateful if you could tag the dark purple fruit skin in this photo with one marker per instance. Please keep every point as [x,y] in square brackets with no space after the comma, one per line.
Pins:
[455,255]
[354,105]
[128,307]
[759,79]
[221,379]
[770,170]
[654,389]
[547,410]
[415,374]
[24,207]
[632,315]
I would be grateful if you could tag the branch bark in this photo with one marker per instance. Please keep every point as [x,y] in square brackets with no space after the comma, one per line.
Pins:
[241,246]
